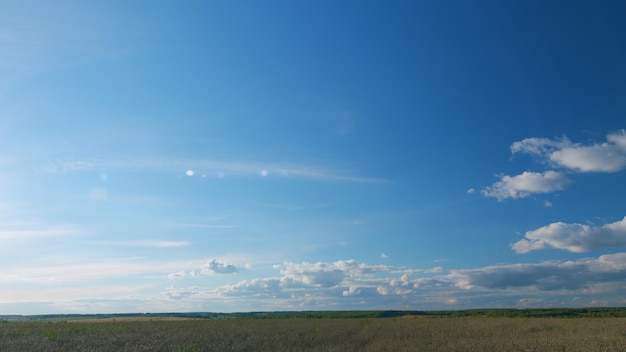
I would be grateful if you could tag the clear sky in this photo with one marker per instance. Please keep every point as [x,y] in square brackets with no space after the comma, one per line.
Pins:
[301,155]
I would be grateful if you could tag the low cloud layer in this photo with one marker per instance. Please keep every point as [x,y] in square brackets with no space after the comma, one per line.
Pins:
[573,237]
[546,276]
[349,284]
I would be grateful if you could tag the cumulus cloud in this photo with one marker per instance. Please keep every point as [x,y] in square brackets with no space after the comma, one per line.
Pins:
[545,276]
[573,237]
[327,274]
[525,184]
[318,274]
[256,287]
[215,267]
[563,155]
[609,156]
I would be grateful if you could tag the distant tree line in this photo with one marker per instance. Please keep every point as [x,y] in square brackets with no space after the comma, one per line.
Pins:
[607,312]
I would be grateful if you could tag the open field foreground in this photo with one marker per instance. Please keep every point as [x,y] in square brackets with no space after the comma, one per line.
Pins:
[296,334]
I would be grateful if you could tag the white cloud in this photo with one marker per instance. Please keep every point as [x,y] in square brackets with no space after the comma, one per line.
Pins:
[351,291]
[564,155]
[573,237]
[539,146]
[215,267]
[354,268]
[525,184]
[609,156]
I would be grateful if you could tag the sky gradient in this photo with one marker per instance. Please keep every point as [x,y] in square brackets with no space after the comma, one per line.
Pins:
[160,156]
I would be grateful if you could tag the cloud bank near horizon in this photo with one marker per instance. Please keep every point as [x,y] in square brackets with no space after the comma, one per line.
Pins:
[350,284]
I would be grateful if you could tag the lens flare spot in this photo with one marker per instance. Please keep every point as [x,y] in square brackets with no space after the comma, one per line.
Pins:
[189,173]
[264,173]
[104,177]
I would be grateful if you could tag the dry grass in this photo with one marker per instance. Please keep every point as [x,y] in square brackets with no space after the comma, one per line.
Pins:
[399,334]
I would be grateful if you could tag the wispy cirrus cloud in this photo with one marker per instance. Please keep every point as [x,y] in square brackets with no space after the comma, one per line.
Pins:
[39,233]
[147,243]
[573,237]
[55,271]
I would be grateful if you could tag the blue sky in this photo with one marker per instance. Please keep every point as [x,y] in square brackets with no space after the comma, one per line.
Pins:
[237,156]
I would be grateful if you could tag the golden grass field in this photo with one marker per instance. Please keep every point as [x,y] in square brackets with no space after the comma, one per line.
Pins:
[297,334]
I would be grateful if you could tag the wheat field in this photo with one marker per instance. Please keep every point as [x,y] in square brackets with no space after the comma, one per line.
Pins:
[296,334]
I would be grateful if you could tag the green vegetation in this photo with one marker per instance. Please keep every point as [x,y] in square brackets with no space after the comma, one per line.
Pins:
[401,333]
